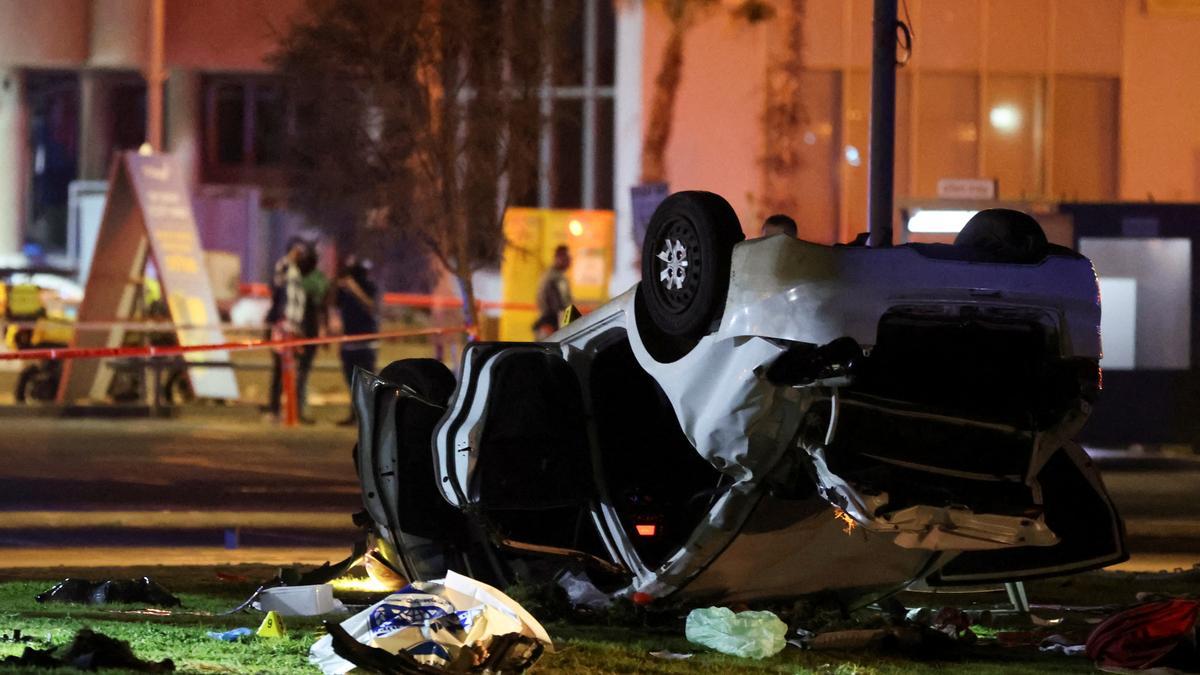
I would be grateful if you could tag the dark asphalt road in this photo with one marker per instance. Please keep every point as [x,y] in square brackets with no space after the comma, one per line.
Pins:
[98,464]
[230,463]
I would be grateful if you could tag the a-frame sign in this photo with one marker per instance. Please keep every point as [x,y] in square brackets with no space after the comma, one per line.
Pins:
[148,213]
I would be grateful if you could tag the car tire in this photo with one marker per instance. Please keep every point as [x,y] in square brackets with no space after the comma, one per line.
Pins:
[178,388]
[1004,235]
[429,378]
[26,382]
[686,261]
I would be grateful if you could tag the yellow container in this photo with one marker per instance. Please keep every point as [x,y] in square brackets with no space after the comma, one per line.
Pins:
[531,236]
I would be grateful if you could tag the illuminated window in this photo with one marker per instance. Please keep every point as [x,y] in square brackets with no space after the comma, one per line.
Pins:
[1011,138]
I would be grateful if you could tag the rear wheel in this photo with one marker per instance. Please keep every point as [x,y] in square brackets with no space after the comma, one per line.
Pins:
[686,263]
[1004,235]
[429,378]
[25,383]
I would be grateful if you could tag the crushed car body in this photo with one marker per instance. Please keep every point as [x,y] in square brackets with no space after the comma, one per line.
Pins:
[763,419]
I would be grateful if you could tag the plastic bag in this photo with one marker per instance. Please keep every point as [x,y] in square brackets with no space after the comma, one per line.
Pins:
[432,622]
[754,635]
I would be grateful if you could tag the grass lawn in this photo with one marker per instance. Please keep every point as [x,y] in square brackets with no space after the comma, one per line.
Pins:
[578,648]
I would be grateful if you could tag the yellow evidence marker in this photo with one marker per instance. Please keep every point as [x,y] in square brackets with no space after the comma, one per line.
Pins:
[272,626]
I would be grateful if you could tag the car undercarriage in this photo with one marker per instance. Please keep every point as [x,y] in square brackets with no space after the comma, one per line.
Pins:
[830,419]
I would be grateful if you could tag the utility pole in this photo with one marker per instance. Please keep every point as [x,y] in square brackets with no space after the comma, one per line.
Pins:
[154,78]
[881,166]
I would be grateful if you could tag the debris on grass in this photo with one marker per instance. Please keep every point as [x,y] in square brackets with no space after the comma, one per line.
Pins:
[749,634]
[582,592]
[313,600]
[1061,644]
[89,650]
[455,624]
[233,578]
[1150,635]
[235,635]
[121,591]
[295,576]
[667,655]
[17,637]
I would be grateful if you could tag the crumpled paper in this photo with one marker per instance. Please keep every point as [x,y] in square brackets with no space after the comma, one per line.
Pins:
[432,621]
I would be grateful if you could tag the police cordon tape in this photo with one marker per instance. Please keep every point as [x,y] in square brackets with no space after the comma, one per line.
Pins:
[411,300]
[240,345]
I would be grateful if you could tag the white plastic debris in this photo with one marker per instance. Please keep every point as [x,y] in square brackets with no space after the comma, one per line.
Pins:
[414,619]
[582,592]
[298,600]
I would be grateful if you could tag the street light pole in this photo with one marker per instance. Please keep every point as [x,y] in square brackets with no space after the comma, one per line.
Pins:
[154,79]
[881,166]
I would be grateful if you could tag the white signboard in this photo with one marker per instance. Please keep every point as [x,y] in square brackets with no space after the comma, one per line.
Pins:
[966,188]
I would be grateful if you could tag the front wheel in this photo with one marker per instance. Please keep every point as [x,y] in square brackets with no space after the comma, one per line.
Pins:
[686,261]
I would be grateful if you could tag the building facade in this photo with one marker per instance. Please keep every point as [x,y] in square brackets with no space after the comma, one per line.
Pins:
[1064,100]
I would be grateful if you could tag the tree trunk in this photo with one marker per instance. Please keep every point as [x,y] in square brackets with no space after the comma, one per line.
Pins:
[784,118]
[662,107]
[466,289]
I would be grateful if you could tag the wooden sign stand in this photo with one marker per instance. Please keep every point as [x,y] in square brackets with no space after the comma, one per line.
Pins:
[148,215]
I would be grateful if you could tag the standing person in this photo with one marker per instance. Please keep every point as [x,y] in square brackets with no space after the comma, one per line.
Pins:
[554,294]
[313,324]
[286,314]
[356,302]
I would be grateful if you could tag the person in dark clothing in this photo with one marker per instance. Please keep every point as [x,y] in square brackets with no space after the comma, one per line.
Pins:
[312,324]
[286,314]
[358,306]
[553,294]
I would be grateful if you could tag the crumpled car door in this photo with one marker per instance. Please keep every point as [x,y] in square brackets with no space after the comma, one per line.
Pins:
[394,457]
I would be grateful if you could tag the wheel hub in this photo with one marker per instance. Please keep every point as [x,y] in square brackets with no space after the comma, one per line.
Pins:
[678,264]
[674,270]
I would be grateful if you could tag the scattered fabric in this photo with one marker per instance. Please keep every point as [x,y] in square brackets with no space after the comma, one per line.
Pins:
[953,622]
[750,634]
[122,591]
[1061,644]
[235,635]
[89,650]
[1156,634]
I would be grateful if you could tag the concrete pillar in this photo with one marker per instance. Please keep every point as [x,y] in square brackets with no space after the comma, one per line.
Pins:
[628,141]
[12,163]
[183,121]
[95,128]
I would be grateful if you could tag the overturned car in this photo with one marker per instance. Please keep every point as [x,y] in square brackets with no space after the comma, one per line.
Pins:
[763,419]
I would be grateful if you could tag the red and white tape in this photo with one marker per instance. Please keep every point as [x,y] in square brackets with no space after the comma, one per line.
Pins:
[241,345]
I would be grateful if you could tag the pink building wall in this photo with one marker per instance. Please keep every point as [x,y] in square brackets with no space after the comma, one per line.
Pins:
[715,138]
[1160,107]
